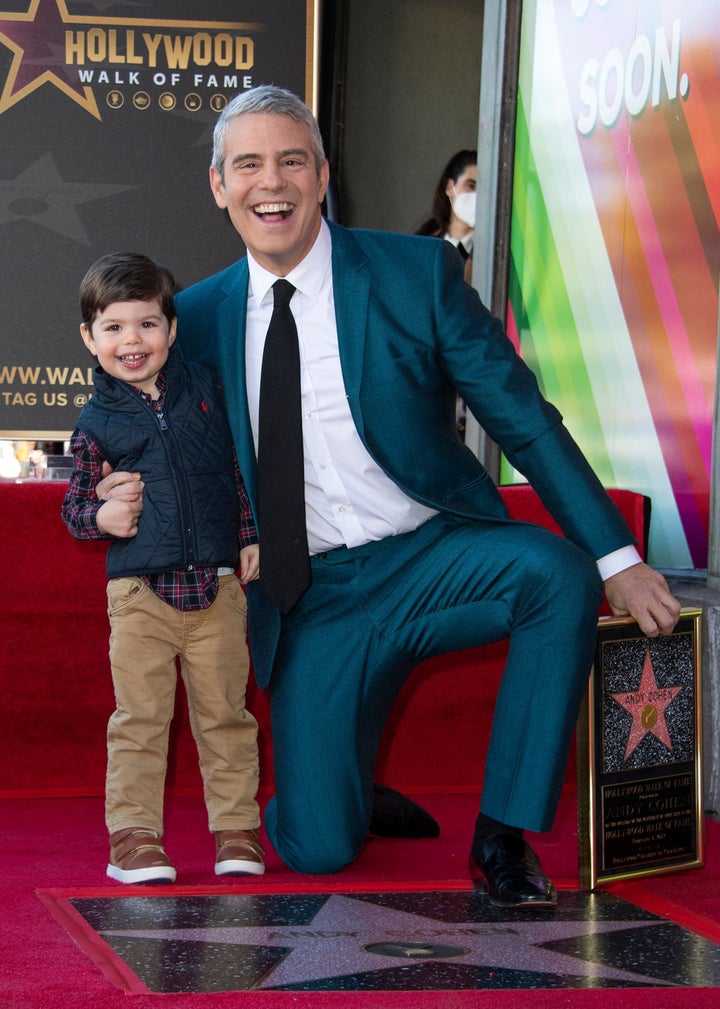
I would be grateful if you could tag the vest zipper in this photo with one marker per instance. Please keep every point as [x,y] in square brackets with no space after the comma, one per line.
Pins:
[178,477]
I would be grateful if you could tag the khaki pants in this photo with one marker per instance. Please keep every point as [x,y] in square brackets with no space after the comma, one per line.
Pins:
[146,637]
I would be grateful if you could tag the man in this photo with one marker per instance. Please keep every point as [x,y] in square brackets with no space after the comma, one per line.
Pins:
[412,552]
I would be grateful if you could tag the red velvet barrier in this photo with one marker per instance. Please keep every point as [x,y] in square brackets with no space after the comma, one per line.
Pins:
[57,694]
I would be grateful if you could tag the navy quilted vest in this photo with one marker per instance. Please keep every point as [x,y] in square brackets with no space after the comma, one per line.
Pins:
[190,512]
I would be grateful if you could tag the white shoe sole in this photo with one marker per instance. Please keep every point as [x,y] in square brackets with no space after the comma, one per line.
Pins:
[239,867]
[157,874]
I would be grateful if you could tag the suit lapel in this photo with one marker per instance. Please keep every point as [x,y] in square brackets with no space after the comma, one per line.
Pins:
[231,324]
[351,291]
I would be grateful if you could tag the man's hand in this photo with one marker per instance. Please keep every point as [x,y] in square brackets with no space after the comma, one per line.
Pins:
[121,493]
[119,518]
[643,593]
[119,486]
[249,563]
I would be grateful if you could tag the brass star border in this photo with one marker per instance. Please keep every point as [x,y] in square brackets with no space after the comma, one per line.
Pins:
[44,12]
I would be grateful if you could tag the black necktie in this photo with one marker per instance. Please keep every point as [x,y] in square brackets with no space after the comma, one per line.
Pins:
[284,560]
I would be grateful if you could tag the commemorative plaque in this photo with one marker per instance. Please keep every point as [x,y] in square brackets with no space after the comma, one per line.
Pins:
[639,754]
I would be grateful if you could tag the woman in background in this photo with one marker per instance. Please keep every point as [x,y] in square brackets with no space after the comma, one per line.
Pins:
[453,218]
[453,206]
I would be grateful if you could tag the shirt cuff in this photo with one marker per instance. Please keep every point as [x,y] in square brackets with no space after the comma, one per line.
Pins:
[611,564]
[87,520]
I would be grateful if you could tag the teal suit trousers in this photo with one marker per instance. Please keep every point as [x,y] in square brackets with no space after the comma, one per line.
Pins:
[374,612]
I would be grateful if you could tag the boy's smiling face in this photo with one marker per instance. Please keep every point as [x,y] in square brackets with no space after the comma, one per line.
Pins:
[131,340]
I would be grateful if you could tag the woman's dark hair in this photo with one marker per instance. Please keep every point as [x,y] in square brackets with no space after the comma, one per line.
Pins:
[438,224]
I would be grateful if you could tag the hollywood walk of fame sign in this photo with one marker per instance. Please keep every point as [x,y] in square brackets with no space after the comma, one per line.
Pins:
[106,119]
[639,746]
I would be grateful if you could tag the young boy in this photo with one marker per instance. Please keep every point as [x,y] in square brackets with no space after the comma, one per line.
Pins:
[172,590]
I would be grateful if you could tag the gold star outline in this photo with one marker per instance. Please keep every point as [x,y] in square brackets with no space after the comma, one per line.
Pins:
[50,16]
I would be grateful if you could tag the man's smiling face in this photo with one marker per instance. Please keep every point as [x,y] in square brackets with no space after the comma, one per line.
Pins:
[271,188]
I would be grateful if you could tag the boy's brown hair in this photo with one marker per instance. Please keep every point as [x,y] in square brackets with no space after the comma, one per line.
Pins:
[125,276]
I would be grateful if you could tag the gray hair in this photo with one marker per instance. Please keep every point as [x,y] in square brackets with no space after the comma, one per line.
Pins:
[266,98]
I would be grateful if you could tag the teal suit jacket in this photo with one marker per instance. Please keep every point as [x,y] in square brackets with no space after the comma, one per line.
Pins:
[410,334]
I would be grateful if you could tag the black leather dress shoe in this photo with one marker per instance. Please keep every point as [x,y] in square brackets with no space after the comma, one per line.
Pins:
[394,815]
[510,871]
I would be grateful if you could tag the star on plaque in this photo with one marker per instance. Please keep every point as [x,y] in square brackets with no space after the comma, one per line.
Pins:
[647,706]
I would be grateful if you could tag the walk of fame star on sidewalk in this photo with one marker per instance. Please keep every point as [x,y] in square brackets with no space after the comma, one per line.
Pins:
[429,940]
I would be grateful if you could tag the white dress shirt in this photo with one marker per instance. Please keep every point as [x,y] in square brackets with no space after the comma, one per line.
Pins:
[348,498]
[467,242]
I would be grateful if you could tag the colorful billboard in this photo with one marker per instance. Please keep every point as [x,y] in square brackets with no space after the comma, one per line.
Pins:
[616,245]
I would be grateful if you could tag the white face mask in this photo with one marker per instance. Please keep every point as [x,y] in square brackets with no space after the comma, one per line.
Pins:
[464,207]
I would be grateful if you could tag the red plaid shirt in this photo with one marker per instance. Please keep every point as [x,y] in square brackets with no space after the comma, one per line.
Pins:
[183,590]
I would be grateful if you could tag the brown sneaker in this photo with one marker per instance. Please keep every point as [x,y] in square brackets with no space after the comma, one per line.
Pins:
[238,853]
[137,856]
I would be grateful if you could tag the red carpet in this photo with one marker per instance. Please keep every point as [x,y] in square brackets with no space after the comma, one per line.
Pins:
[60,843]
[56,700]
[58,694]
